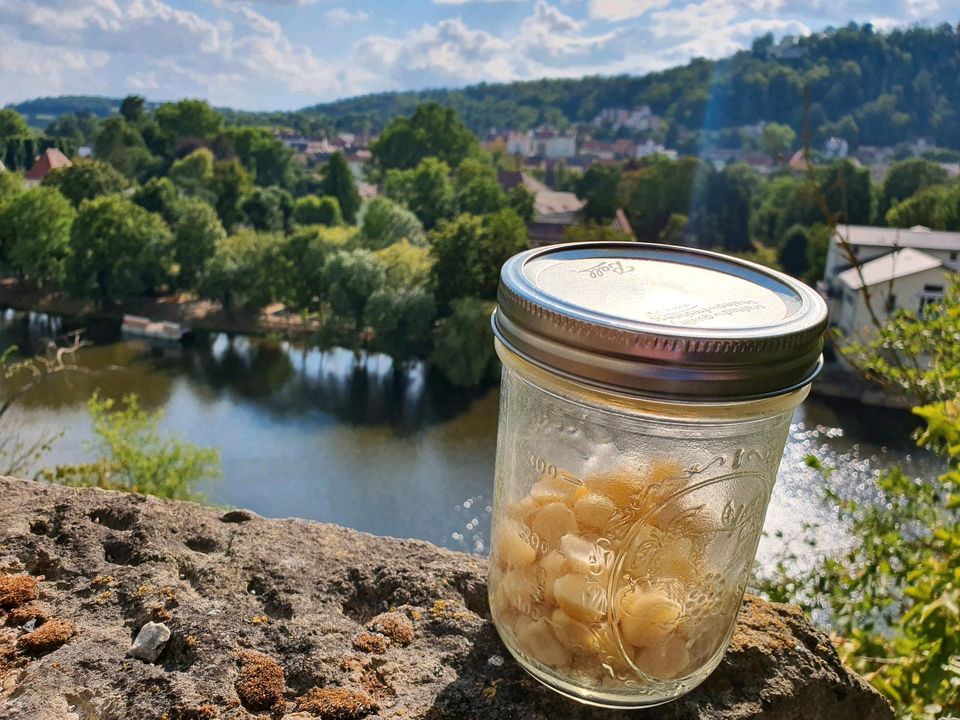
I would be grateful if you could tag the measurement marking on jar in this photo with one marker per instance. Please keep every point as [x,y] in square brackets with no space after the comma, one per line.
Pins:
[542,466]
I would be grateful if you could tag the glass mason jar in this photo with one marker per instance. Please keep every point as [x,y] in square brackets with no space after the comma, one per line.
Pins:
[646,398]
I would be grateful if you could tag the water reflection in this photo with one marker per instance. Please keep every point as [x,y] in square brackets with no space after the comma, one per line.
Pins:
[331,436]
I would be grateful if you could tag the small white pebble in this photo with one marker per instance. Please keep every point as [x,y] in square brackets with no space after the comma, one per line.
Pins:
[495,660]
[150,642]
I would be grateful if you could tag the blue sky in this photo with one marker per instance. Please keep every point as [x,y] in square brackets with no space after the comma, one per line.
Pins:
[284,54]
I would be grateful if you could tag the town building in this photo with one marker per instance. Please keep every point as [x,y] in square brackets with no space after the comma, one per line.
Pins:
[900,269]
[554,211]
[519,143]
[836,147]
[554,144]
[640,119]
[49,159]
[652,148]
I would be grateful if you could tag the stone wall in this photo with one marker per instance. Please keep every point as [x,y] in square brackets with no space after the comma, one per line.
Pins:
[295,619]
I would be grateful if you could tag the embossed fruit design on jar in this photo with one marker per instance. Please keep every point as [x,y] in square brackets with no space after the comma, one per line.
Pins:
[646,397]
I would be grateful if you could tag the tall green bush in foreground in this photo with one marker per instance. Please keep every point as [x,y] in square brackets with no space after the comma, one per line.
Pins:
[894,598]
[135,456]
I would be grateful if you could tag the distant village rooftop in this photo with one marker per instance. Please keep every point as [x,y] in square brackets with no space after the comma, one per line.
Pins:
[49,159]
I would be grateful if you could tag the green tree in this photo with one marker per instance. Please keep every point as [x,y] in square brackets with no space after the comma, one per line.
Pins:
[132,108]
[307,250]
[597,187]
[248,269]
[268,209]
[69,126]
[469,251]
[38,222]
[426,191]
[118,249]
[785,201]
[195,238]
[672,232]
[731,194]
[137,457]
[193,174]
[907,177]
[593,232]
[11,185]
[464,350]
[120,144]
[159,195]
[313,210]
[401,319]
[12,124]
[338,182]
[845,186]
[481,195]
[658,189]
[432,131]
[86,179]
[231,183]
[792,254]
[268,160]
[936,207]
[777,140]
[407,265]
[523,202]
[351,277]
[384,222]
[189,119]
[818,244]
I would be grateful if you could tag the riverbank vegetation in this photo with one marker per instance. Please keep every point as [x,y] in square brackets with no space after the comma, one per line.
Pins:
[892,601]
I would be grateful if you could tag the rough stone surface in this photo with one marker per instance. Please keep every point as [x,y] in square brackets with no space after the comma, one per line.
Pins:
[149,642]
[297,593]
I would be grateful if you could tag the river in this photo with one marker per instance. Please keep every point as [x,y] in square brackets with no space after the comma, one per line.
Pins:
[321,435]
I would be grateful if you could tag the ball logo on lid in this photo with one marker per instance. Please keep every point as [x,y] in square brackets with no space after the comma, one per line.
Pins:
[615,267]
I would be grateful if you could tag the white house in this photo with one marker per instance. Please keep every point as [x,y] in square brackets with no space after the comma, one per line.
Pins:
[905,279]
[519,144]
[553,144]
[867,243]
[651,148]
[836,147]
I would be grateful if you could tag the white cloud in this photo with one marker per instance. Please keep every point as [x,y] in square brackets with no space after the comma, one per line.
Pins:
[31,70]
[922,8]
[143,82]
[242,52]
[704,19]
[342,15]
[149,46]
[617,10]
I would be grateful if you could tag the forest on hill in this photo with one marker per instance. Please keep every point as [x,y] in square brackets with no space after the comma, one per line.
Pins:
[871,88]
[868,87]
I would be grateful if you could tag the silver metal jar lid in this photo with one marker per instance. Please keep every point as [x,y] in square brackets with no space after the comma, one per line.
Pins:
[661,321]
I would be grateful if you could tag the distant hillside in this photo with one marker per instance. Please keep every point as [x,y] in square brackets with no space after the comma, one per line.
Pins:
[868,87]
[873,88]
[41,111]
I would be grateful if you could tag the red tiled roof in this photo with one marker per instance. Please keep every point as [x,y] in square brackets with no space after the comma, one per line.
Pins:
[49,159]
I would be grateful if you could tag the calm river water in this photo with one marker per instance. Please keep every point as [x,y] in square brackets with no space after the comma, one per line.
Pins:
[315,434]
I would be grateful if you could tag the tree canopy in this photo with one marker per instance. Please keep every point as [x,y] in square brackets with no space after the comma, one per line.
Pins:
[432,131]
[119,249]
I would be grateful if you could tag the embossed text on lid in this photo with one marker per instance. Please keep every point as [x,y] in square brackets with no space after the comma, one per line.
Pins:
[661,320]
